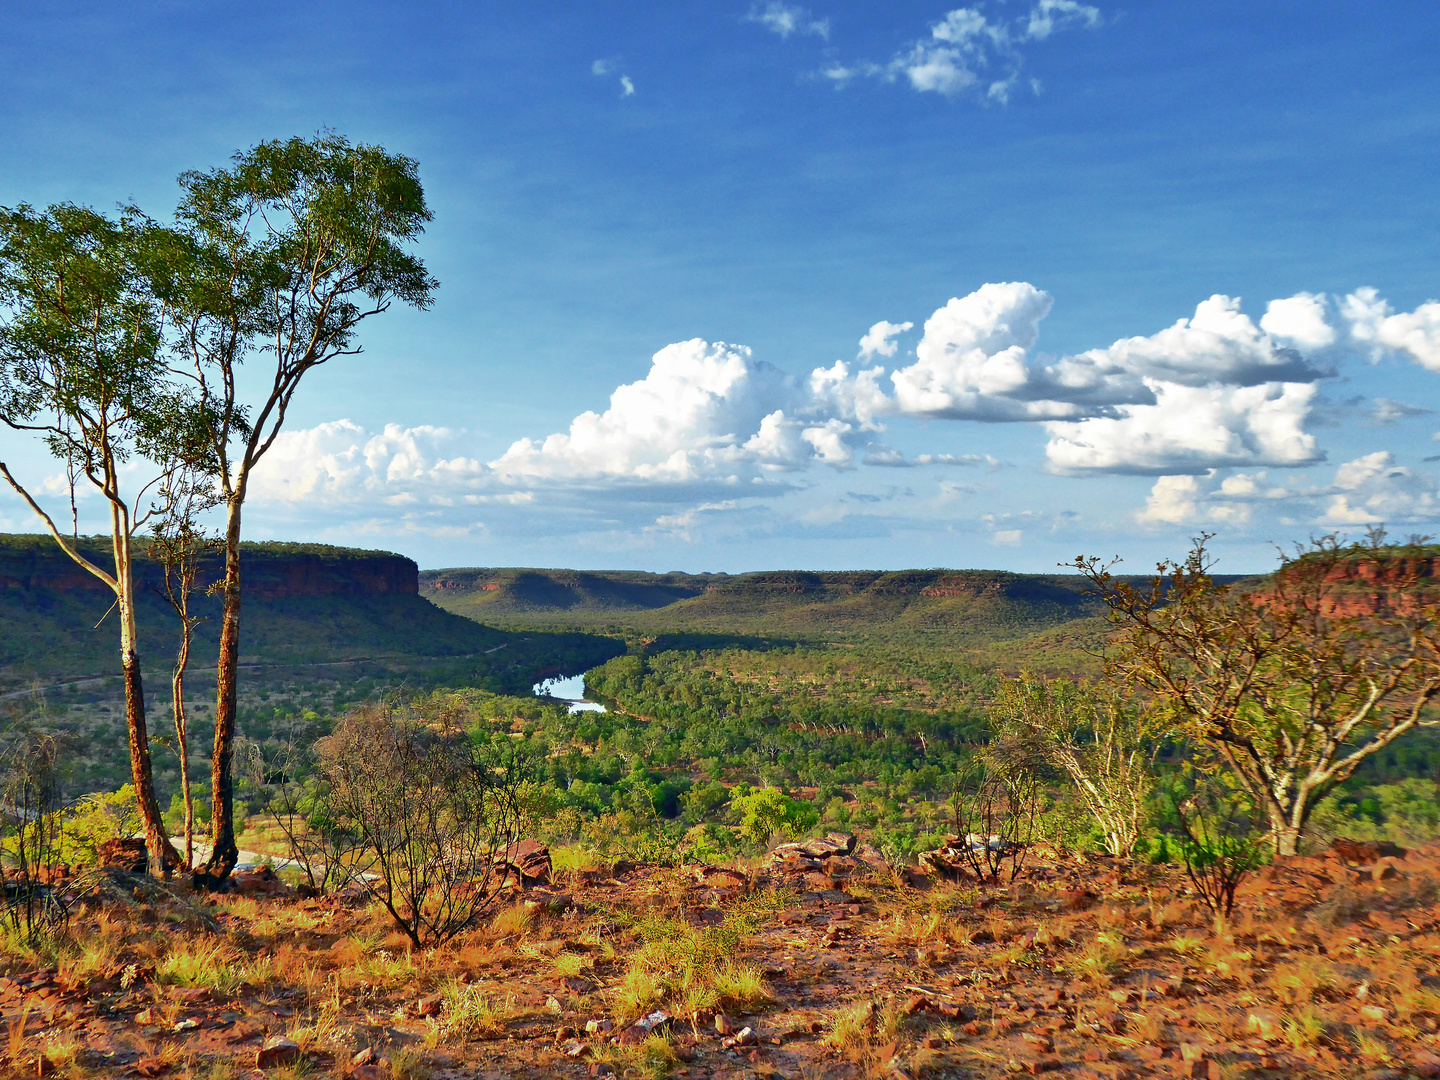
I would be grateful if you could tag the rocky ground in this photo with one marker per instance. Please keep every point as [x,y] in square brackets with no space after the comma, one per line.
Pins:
[820,962]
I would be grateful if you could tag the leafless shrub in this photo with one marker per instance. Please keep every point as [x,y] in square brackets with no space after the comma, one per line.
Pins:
[30,823]
[430,808]
[996,808]
[295,797]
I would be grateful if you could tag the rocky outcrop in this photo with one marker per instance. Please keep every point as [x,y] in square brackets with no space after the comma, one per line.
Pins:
[1362,586]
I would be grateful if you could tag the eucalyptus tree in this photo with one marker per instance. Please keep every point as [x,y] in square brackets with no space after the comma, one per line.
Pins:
[82,367]
[179,542]
[298,241]
[1293,681]
[1103,742]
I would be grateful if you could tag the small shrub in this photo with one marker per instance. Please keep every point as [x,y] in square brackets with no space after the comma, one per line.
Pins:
[1220,843]
[30,833]
[431,810]
[764,813]
[995,808]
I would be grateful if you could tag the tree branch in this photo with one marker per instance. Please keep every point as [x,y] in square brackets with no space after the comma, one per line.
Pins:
[79,559]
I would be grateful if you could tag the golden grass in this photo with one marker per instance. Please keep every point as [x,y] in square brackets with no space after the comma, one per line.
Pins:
[651,1059]
[1186,944]
[322,1034]
[512,921]
[1411,997]
[212,1069]
[1298,982]
[851,1026]
[15,1035]
[190,963]
[1304,1029]
[469,1012]
[1103,958]
[1370,1045]
[688,968]
[381,969]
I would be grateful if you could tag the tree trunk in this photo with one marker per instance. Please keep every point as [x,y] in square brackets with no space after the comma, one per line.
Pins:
[161,855]
[157,845]
[1284,833]
[223,853]
[182,731]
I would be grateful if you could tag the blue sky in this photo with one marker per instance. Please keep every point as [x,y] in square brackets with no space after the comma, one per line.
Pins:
[618,189]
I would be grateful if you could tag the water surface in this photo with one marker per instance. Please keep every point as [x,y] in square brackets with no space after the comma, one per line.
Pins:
[569,689]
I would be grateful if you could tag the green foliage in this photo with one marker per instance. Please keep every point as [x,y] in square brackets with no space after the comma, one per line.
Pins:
[1406,812]
[1219,836]
[768,811]
[96,819]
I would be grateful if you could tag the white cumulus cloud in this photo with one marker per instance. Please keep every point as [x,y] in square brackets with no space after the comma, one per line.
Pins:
[1302,320]
[974,363]
[879,340]
[1375,323]
[1205,405]
[786,19]
[1192,429]
[340,463]
[1373,488]
[1172,500]
[704,410]
[1049,15]
[968,52]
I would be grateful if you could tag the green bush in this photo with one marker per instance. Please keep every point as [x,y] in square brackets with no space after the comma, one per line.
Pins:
[768,811]
[96,819]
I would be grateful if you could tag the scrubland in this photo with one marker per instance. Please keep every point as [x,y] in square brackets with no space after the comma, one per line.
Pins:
[1083,966]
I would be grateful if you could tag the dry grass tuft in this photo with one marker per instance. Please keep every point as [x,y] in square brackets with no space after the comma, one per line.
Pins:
[512,921]
[1299,982]
[1304,1029]
[649,1060]
[192,963]
[1103,958]
[469,1012]
[851,1026]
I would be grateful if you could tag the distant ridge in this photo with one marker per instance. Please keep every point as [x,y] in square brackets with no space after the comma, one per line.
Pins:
[956,604]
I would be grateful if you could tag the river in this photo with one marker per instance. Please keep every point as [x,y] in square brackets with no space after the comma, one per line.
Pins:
[569,689]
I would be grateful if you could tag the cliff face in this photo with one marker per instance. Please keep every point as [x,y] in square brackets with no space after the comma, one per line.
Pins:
[1355,587]
[312,575]
[269,571]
